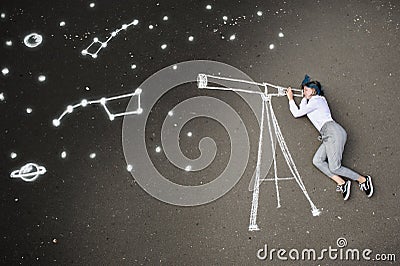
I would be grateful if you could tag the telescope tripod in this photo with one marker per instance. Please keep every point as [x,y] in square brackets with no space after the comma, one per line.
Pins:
[268,111]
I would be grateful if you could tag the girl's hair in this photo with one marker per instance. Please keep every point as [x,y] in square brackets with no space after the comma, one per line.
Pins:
[315,85]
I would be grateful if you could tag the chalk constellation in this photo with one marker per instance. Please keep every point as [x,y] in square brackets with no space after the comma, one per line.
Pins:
[105,43]
[103,101]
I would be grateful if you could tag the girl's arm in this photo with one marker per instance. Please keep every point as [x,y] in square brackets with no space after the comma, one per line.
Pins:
[305,107]
[296,111]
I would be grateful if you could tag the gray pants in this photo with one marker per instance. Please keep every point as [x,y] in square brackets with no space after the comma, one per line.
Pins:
[328,158]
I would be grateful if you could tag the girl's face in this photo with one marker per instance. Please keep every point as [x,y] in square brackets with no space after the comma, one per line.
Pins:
[308,92]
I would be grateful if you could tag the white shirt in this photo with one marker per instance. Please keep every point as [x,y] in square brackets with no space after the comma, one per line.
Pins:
[317,110]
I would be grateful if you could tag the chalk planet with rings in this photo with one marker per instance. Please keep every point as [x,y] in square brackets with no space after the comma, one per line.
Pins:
[29,172]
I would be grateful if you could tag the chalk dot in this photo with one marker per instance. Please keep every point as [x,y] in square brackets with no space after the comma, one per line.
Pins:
[165,18]
[158,149]
[151,27]
[103,101]
[2,98]
[189,134]
[5,71]
[138,91]
[13,155]
[94,55]
[56,122]
[92,155]
[63,154]
[225,18]
[84,52]
[208,7]
[188,168]
[232,37]
[171,113]
[70,108]
[133,66]
[9,43]
[92,5]
[95,39]
[29,110]
[129,167]
[104,45]
[42,78]
[259,13]
[16,199]
[62,24]
[271,46]
[113,34]
[164,46]
[174,67]
[135,22]
[124,26]
[84,103]
[281,35]
[54,241]
[3,15]
[191,38]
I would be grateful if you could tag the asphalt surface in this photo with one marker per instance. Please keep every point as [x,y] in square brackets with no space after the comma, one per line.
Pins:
[87,211]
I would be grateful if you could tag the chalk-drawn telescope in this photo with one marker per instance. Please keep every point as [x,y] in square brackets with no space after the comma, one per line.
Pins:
[202,83]
[269,91]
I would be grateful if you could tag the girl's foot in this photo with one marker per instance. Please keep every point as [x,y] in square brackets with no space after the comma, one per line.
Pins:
[367,186]
[345,189]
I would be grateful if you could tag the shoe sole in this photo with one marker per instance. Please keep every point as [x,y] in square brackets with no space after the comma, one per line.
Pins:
[371,186]
[348,185]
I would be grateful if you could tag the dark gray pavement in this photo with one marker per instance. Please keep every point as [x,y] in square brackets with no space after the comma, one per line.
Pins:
[87,211]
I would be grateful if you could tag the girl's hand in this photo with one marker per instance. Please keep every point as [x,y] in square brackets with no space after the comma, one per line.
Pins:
[289,93]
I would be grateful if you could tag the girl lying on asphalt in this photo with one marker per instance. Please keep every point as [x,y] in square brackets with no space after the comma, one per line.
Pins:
[332,135]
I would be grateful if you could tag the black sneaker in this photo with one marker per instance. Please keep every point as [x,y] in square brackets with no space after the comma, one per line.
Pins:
[367,186]
[345,189]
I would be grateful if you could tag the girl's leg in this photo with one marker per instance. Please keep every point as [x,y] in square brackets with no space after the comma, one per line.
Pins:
[320,161]
[338,180]
[334,150]
[361,179]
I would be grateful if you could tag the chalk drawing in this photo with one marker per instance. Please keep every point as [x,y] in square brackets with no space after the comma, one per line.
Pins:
[105,43]
[5,71]
[103,101]
[273,127]
[29,172]
[41,78]
[33,40]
